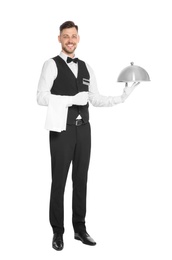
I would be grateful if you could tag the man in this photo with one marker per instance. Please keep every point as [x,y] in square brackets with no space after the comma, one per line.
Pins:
[66,85]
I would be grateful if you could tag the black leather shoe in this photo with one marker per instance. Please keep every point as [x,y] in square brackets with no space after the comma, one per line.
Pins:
[58,242]
[85,238]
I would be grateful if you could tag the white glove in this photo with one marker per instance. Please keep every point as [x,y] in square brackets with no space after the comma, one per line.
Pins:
[79,99]
[127,91]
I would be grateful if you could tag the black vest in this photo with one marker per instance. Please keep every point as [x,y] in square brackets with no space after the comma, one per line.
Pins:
[66,84]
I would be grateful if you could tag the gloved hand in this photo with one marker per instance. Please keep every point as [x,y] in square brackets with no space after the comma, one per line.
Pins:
[79,99]
[128,90]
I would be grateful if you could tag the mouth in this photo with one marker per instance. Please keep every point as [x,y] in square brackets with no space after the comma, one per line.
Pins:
[70,45]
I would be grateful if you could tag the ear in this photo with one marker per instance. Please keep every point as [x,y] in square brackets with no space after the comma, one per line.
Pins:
[59,39]
[78,38]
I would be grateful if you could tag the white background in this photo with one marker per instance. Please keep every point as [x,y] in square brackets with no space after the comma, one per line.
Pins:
[129,190]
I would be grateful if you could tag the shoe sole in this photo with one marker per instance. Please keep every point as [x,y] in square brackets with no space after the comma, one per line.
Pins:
[60,249]
[79,239]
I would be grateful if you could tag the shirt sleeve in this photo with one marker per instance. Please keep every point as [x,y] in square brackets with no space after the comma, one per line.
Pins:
[48,75]
[96,98]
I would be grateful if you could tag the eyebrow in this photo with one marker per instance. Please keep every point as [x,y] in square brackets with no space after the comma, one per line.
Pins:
[69,35]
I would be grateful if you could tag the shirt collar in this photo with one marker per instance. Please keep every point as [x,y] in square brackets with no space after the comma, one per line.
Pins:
[64,56]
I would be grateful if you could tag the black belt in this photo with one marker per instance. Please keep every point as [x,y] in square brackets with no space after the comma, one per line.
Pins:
[79,122]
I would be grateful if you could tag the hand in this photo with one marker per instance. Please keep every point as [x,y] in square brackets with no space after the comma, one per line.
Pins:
[128,90]
[80,99]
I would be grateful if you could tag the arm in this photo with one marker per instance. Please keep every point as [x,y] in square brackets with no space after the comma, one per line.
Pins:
[48,75]
[98,100]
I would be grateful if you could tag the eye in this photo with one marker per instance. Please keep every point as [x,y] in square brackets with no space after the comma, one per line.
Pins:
[65,36]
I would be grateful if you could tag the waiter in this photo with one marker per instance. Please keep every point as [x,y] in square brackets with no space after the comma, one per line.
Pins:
[66,86]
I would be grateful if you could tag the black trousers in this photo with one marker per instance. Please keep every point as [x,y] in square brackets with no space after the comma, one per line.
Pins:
[70,146]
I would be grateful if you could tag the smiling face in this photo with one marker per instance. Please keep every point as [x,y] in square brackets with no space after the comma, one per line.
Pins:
[69,40]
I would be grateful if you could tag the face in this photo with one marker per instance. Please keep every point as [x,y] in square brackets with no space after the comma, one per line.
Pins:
[69,40]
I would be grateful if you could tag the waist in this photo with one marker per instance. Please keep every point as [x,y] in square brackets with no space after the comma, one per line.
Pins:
[75,111]
[78,122]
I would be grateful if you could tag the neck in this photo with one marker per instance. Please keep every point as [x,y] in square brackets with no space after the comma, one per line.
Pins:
[71,55]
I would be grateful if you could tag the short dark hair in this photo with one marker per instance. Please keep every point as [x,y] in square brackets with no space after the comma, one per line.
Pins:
[68,24]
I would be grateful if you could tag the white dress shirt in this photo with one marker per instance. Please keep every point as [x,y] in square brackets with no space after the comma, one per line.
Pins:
[58,105]
[49,74]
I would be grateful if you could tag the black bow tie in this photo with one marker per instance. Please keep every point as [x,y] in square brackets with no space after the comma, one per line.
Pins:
[70,60]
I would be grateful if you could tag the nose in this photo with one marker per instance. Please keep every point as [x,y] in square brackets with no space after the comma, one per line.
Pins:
[70,40]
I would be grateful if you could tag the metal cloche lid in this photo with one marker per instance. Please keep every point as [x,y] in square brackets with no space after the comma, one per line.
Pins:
[133,73]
